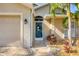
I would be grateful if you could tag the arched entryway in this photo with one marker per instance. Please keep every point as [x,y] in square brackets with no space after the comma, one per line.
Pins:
[38,28]
[38,31]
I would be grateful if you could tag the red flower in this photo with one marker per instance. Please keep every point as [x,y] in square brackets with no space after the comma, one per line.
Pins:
[66,43]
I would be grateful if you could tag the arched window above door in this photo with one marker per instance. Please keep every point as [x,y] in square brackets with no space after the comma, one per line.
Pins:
[38,18]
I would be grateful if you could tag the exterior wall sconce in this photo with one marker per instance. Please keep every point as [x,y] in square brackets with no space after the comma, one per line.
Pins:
[25,21]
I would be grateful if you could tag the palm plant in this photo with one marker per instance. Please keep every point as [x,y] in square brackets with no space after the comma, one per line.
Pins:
[67,21]
[54,6]
[76,14]
[70,15]
[77,5]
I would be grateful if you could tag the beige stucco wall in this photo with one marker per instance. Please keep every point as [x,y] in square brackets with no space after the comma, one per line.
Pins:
[19,8]
[59,26]
[42,11]
[47,28]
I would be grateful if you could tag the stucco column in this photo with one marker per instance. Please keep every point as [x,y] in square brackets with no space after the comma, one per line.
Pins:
[31,28]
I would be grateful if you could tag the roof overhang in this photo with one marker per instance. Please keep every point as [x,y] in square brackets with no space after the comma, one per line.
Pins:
[29,5]
[37,7]
[57,16]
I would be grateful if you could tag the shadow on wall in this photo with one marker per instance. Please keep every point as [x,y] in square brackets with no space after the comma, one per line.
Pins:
[53,28]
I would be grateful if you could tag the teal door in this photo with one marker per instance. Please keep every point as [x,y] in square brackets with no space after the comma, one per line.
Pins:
[38,29]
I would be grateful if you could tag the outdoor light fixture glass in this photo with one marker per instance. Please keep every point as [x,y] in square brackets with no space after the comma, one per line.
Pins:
[25,21]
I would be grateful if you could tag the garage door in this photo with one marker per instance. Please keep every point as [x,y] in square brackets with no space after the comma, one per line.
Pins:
[9,30]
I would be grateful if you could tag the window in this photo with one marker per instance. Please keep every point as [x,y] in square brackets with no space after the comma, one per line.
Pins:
[65,33]
[38,18]
[73,31]
[60,11]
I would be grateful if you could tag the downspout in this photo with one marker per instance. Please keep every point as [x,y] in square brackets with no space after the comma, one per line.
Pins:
[31,27]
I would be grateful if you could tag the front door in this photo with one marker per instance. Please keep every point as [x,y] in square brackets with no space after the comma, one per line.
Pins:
[38,31]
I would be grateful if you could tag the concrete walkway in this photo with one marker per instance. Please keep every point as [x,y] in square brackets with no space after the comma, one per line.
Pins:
[45,51]
[14,51]
[19,51]
[40,51]
[40,43]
